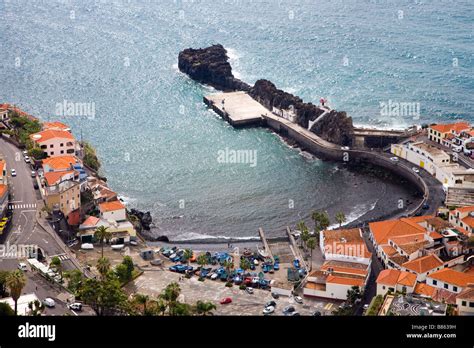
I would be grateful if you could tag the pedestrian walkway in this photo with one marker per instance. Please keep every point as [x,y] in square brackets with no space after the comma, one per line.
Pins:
[62,257]
[21,206]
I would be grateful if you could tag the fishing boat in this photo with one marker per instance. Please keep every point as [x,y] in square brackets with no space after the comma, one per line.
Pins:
[118,246]
[263,253]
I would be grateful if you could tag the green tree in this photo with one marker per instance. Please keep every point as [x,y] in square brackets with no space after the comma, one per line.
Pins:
[37,153]
[101,234]
[103,266]
[187,254]
[36,308]
[170,295]
[205,308]
[228,265]
[311,245]
[340,218]
[301,226]
[90,157]
[321,222]
[245,264]
[3,283]
[128,262]
[202,261]
[142,300]
[56,265]
[75,279]
[16,281]
[105,296]
[6,310]
[122,273]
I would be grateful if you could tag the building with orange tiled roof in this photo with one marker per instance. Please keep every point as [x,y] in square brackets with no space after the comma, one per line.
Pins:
[3,199]
[423,266]
[56,126]
[3,172]
[335,278]
[59,163]
[450,280]
[114,210]
[425,290]
[54,178]
[344,245]
[55,142]
[439,132]
[465,301]
[394,280]
[463,217]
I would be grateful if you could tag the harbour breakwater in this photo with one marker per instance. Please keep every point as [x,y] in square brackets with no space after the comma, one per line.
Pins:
[327,140]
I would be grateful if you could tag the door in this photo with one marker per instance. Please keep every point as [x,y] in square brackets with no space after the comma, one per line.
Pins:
[422,164]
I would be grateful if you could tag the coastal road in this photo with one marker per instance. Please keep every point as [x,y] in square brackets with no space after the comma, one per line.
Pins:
[25,201]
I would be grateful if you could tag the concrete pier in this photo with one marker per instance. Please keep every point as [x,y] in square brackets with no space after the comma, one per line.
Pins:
[237,108]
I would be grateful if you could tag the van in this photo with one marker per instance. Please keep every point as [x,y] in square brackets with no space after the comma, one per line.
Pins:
[49,302]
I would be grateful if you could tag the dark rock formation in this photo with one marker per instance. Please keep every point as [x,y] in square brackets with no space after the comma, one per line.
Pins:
[210,66]
[335,127]
[144,219]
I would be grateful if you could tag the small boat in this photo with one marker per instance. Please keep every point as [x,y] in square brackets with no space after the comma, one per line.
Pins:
[118,246]
[87,246]
[255,262]
[263,253]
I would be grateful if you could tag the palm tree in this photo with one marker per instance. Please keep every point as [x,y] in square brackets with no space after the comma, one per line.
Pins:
[340,218]
[205,308]
[102,234]
[56,265]
[321,221]
[311,245]
[228,265]
[158,306]
[187,254]
[305,236]
[245,264]
[170,295]
[103,266]
[301,226]
[16,281]
[202,261]
[142,300]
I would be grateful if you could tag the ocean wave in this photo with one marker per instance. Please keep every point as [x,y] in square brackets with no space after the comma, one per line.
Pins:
[234,58]
[359,211]
[195,237]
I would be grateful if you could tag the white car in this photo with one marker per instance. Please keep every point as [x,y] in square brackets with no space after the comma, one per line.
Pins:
[27,159]
[76,306]
[416,170]
[394,159]
[298,299]
[49,302]
[13,172]
[22,266]
[214,276]
[345,148]
[249,290]
[268,310]
[25,152]
[33,174]
[133,242]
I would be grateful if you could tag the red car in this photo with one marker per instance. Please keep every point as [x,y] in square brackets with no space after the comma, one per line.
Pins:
[226,300]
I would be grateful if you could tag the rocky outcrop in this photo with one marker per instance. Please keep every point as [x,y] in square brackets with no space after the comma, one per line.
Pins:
[144,219]
[210,66]
[335,126]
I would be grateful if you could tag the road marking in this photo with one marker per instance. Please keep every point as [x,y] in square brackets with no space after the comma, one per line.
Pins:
[328,306]
[62,257]
[22,206]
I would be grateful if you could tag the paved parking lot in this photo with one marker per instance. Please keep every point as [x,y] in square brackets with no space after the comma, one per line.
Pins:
[152,282]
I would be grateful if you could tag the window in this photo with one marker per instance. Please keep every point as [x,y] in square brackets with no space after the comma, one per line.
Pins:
[62,151]
[446,286]
[62,144]
[464,303]
[51,146]
[455,288]
[471,304]
[51,153]
[435,282]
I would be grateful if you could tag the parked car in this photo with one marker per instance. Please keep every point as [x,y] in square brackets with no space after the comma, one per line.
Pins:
[345,148]
[293,314]
[271,303]
[226,300]
[317,314]
[33,174]
[35,185]
[275,295]
[133,242]
[76,306]
[268,310]
[426,206]
[27,159]
[416,170]
[288,309]
[214,276]
[25,153]
[13,172]
[298,299]
[22,267]
[49,302]
[394,159]
[249,290]
[156,262]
